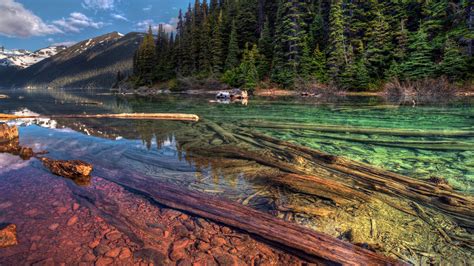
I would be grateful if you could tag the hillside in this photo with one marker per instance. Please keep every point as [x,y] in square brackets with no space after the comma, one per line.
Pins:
[90,63]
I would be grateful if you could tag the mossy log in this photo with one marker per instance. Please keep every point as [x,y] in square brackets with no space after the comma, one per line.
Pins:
[303,242]
[226,136]
[360,130]
[136,116]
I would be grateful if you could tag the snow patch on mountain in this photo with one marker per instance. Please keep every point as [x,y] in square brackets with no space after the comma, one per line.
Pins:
[24,58]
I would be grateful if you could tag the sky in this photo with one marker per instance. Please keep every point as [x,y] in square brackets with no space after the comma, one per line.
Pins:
[35,24]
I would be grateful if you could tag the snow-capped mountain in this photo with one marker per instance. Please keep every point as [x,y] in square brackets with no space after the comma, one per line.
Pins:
[24,58]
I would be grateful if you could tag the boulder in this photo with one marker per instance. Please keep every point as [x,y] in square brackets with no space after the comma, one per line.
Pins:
[8,236]
[76,170]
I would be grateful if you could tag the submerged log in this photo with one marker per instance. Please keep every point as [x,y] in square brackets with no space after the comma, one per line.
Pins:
[8,236]
[301,241]
[223,134]
[78,171]
[360,130]
[144,116]
[458,206]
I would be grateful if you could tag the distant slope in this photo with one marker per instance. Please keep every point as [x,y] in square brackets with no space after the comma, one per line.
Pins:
[27,59]
[90,63]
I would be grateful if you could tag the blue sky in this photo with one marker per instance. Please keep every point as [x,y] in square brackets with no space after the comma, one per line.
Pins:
[34,24]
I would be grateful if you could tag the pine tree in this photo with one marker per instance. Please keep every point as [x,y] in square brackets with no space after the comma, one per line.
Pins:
[146,57]
[379,44]
[419,63]
[454,63]
[265,44]
[217,45]
[248,67]
[232,60]
[318,66]
[336,45]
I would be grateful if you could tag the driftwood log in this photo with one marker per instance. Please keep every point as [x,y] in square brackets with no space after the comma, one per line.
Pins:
[360,130]
[136,116]
[301,241]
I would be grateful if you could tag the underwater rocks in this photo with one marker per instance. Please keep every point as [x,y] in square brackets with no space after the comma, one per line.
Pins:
[76,170]
[8,236]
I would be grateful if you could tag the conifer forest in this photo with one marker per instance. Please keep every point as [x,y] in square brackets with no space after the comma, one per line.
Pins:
[355,45]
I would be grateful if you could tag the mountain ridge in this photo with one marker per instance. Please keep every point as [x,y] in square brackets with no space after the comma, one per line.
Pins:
[90,63]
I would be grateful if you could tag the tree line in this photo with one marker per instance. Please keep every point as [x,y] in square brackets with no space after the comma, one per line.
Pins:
[352,44]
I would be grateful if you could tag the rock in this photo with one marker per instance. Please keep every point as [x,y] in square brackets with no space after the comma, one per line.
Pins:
[184,262]
[228,260]
[8,236]
[94,243]
[203,246]
[113,253]
[76,170]
[104,261]
[72,221]
[88,257]
[114,235]
[180,231]
[178,249]
[53,227]
[217,241]
[125,253]
[101,249]
[61,210]
[75,206]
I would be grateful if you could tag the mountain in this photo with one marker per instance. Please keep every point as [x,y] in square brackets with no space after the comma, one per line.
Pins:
[90,63]
[24,59]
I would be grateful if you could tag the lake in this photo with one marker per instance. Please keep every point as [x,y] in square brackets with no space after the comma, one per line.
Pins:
[425,142]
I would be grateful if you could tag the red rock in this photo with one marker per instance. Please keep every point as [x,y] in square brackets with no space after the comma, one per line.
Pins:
[75,206]
[217,241]
[114,235]
[178,249]
[113,253]
[89,257]
[125,253]
[72,221]
[228,260]
[53,226]
[62,210]
[101,249]
[203,246]
[94,243]
[8,236]
[104,261]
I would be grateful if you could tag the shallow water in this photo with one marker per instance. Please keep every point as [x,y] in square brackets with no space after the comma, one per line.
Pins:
[155,148]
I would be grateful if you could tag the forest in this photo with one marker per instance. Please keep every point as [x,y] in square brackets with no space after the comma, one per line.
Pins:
[349,44]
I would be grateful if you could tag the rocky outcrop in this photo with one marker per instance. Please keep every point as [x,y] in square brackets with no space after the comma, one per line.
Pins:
[8,236]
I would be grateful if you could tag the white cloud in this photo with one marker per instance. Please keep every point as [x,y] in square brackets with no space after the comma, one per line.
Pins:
[17,21]
[169,27]
[76,22]
[119,17]
[148,8]
[65,43]
[98,4]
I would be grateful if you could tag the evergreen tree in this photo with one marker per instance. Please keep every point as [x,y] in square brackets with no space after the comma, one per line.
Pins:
[248,67]
[146,56]
[379,45]
[232,60]
[217,45]
[265,45]
[337,52]
[454,63]
[419,63]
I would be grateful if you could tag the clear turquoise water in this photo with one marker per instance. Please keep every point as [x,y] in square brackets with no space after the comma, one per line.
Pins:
[452,163]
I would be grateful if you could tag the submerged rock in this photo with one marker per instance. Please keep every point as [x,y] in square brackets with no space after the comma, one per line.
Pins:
[8,236]
[78,171]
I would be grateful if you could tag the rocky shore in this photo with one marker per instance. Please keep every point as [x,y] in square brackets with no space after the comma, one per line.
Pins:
[60,223]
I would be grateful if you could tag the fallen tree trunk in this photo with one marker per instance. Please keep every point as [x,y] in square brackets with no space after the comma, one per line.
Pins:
[303,242]
[360,130]
[458,206]
[136,116]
